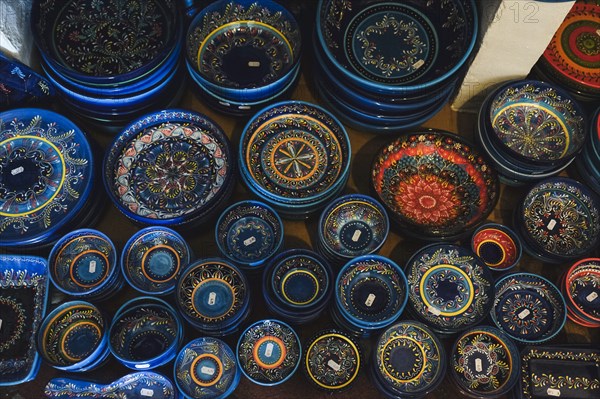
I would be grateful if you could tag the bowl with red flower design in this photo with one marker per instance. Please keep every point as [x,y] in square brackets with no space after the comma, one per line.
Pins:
[497,245]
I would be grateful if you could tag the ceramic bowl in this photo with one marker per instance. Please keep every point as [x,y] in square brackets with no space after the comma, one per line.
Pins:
[21,85]
[139,168]
[23,297]
[437,39]
[497,245]
[450,288]
[47,173]
[153,258]
[353,225]
[581,290]
[371,292]
[434,184]
[206,368]
[249,233]
[269,352]
[485,363]
[536,122]
[73,337]
[135,385]
[559,219]
[408,361]
[529,308]
[213,296]
[332,360]
[83,264]
[145,333]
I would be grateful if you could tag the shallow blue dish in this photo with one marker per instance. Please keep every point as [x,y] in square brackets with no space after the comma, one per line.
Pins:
[206,368]
[269,352]
[136,385]
[153,259]
[47,170]
[249,233]
[145,333]
[23,297]
[21,86]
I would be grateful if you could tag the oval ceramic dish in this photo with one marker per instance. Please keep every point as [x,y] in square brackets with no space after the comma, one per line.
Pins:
[450,288]
[434,184]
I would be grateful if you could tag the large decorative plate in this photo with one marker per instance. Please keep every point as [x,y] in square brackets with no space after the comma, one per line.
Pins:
[434,184]
[23,297]
[169,167]
[46,171]
[450,288]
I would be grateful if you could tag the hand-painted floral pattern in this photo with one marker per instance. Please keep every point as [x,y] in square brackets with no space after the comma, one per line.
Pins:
[333,361]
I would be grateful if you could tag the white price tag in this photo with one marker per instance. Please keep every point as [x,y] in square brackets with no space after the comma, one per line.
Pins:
[524,313]
[434,311]
[249,241]
[17,171]
[254,64]
[419,64]
[212,298]
[553,392]
[207,370]
[551,224]
[592,297]
[269,350]
[147,392]
[334,365]
[356,235]
[478,365]
[370,300]
[92,266]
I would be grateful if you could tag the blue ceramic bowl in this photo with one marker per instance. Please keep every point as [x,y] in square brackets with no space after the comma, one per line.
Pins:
[269,352]
[23,297]
[371,292]
[249,233]
[351,226]
[437,40]
[206,368]
[213,296]
[47,174]
[529,308]
[497,245]
[485,363]
[153,259]
[450,288]
[243,49]
[83,264]
[22,86]
[139,168]
[145,333]
[74,337]
[142,384]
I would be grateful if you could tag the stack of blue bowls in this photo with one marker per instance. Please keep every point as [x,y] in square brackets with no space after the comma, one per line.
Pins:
[588,163]
[530,130]
[110,65]
[243,54]
[390,66]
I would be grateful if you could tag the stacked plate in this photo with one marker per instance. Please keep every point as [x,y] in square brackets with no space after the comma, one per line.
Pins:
[295,156]
[572,59]
[531,130]
[383,67]
[588,163]
[111,64]
[579,286]
[243,54]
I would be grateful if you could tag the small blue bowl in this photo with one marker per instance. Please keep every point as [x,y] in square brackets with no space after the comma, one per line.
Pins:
[74,337]
[269,352]
[206,368]
[153,259]
[145,333]
[249,233]
[143,384]
[22,86]
[371,292]
[529,308]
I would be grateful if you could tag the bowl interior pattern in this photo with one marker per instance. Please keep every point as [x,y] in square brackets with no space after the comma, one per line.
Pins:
[497,246]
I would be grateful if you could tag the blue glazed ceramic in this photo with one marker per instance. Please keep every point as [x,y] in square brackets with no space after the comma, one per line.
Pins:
[249,233]
[47,171]
[170,167]
[436,40]
[83,264]
[332,360]
[408,361]
[370,292]
[20,85]
[213,296]
[269,352]
[143,384]
[206,368]
[485,363]
[153,259]
[529,308]
[74,337]
[145,333]
[497,245]
[23,297]
[581,291]
[450,288]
